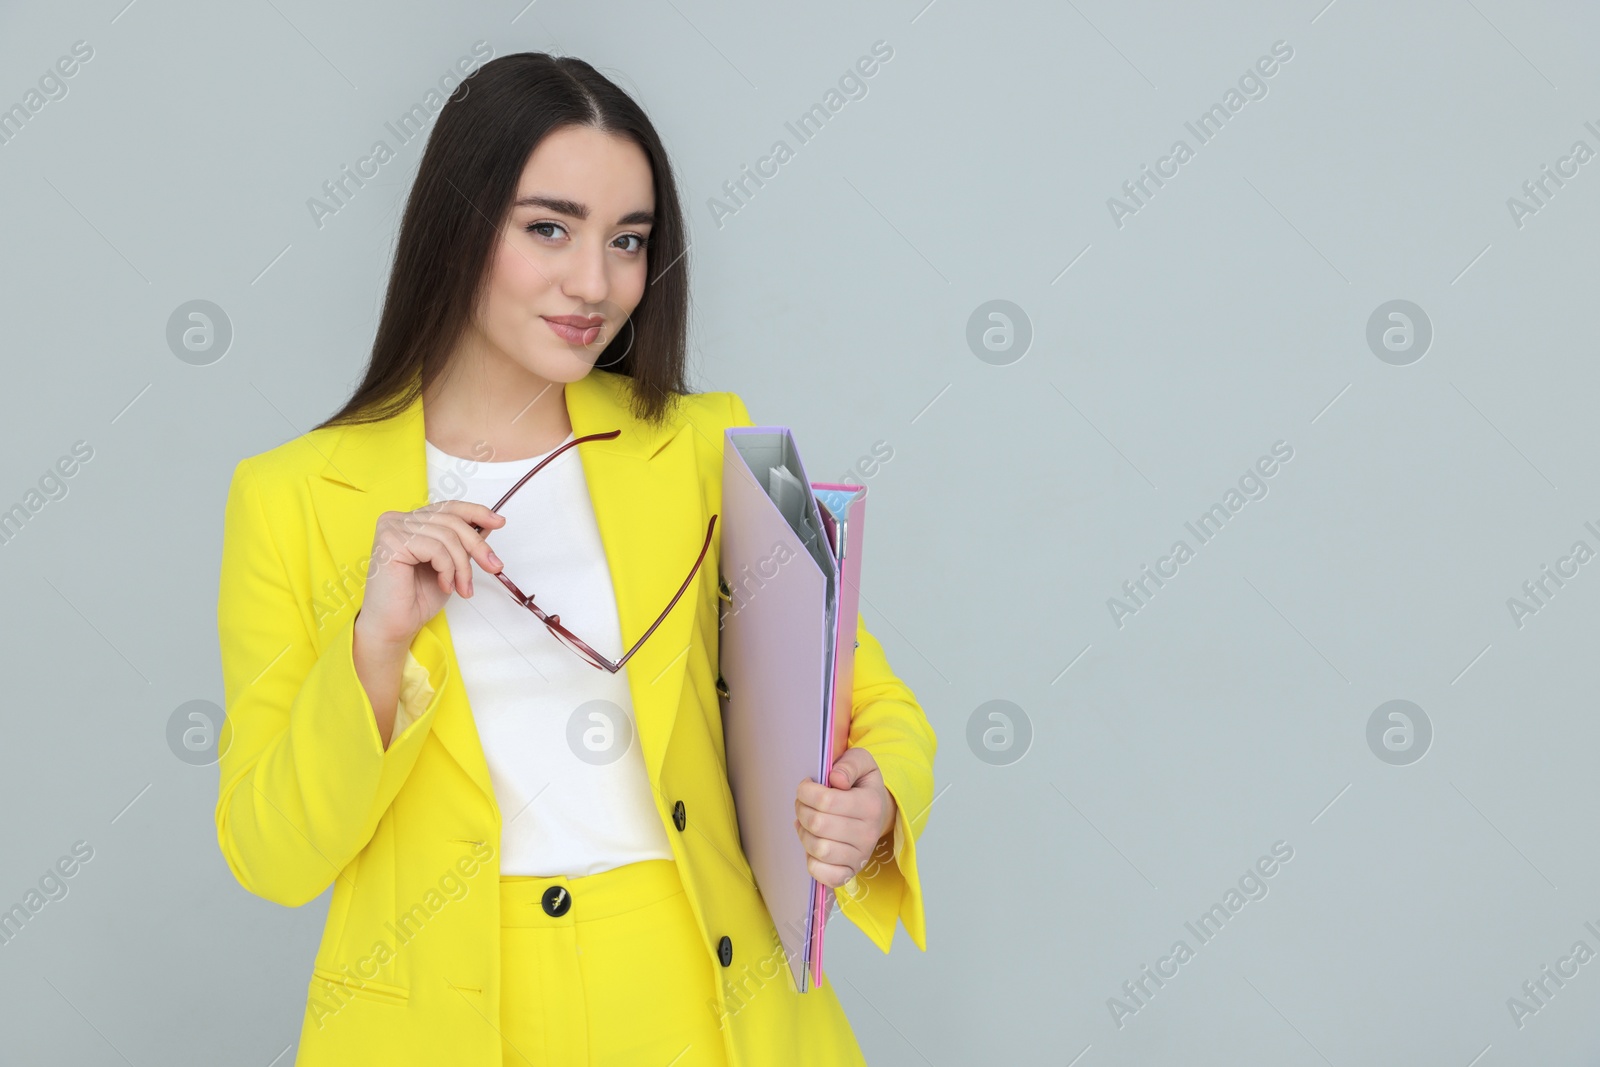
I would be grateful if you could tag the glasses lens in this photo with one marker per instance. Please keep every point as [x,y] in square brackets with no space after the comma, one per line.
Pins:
[577,650]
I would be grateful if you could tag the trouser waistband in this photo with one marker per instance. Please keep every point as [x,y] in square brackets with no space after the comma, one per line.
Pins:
[528,900]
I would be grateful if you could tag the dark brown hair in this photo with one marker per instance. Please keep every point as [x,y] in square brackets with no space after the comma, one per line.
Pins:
[465,183]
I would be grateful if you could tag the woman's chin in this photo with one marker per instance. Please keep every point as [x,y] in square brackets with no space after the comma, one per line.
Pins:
[557,362]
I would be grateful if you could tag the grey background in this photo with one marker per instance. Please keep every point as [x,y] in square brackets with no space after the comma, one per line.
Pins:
[1229,313]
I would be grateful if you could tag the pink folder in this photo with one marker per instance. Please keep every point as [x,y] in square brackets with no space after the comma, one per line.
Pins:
[791,565]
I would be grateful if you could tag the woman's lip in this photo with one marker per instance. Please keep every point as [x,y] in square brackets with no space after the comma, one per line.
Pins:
[574,335]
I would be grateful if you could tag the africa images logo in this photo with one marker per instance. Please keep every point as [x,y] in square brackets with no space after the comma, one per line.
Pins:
[1137,592]
[1252,885]
[1252,85]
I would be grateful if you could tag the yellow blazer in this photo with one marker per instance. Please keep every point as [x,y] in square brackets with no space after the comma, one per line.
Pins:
[407,971]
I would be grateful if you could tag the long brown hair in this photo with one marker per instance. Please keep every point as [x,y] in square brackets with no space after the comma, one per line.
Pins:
[465,183]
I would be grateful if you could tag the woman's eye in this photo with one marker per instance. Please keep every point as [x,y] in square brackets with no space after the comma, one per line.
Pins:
[544,229]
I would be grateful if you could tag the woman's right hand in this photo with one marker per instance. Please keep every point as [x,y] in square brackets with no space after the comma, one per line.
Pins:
[419,557]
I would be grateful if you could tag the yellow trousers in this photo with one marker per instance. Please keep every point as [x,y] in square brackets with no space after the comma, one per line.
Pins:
[605,970]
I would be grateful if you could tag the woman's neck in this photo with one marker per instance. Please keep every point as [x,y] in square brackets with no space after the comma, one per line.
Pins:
[494,411]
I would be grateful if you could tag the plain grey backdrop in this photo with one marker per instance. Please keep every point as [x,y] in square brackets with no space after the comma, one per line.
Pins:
[1070,372]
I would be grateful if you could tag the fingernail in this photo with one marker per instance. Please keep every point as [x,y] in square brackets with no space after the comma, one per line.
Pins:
[494,558]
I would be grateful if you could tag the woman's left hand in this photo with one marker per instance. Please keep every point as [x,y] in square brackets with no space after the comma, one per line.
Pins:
[841,823]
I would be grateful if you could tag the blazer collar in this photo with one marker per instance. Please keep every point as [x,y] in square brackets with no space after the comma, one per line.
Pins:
[648,506]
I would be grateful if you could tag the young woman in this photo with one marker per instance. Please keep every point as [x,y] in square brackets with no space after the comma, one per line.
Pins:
[482,704]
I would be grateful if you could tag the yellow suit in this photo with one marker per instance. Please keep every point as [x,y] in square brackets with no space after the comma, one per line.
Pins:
[407,969]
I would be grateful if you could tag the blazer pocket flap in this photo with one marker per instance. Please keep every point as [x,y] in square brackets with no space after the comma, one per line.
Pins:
[331,983]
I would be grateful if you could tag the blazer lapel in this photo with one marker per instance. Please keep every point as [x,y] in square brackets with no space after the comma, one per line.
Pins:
[644,487]
[648,507]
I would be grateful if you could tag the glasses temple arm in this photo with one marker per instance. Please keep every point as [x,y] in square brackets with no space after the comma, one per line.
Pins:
[668,609]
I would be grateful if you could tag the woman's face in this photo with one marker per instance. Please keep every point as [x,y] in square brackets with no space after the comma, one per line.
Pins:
[571,263]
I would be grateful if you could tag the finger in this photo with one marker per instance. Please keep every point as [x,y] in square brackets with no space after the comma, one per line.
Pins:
[808,812]
[829,876]
[840,803]
[845,771]
[816,794]
[473,541]
[397,535]
[825,850]
[461,563]
[400,541]
[831,827]
[445,535]
[828,873]
[477,515]
[434,552]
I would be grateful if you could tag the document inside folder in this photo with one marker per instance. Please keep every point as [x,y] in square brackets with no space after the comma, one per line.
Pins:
[832,504]
[835,505]
[786,485]
[797,507]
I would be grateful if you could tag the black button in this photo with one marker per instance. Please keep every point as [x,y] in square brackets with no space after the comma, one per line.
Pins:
[678,818]
[556,900]
[725,950]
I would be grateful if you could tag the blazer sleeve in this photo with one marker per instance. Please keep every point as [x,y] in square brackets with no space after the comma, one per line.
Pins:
[304,776]
[888,722]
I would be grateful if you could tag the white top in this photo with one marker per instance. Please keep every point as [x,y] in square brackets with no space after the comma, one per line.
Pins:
[558,733]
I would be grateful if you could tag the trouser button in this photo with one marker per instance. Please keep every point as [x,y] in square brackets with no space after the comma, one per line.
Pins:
[556,900]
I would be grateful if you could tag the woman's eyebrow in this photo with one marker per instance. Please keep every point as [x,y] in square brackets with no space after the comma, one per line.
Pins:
[581,211]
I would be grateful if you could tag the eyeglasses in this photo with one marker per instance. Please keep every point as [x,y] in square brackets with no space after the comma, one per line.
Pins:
[553,622]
